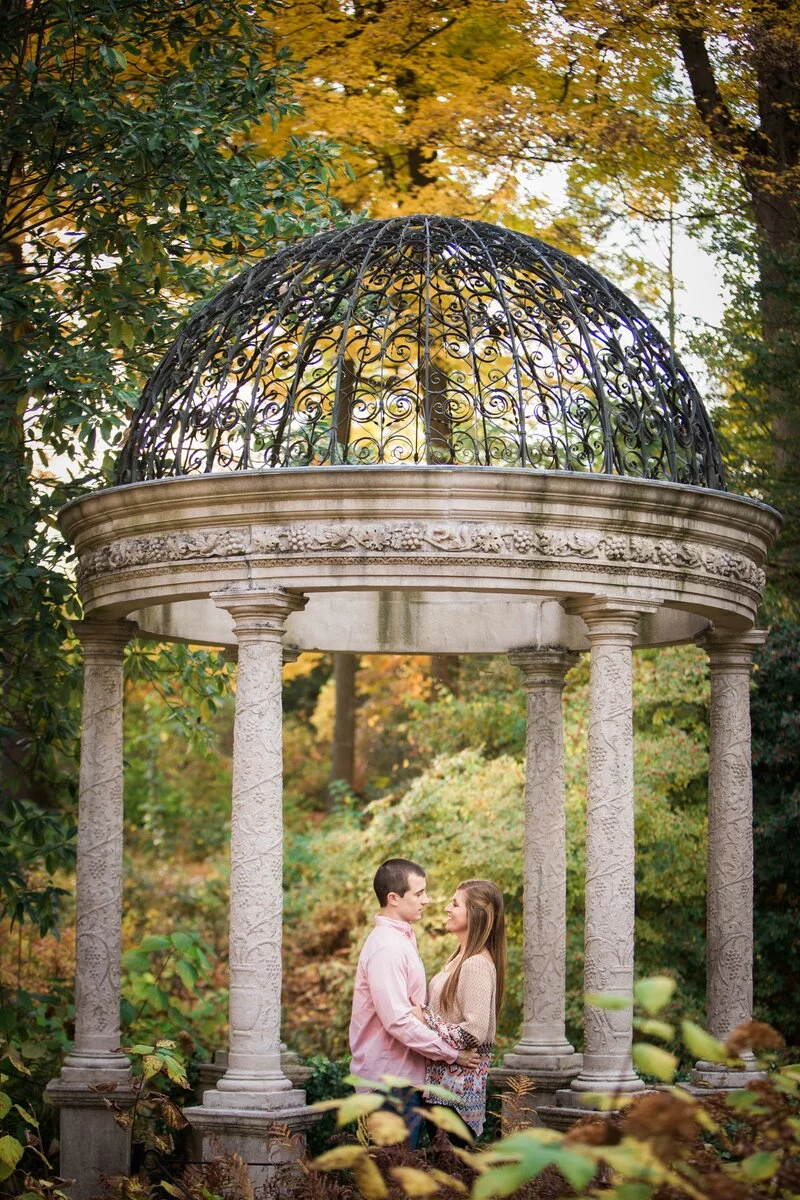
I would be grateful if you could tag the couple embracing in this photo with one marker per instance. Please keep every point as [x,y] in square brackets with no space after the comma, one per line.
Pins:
[443,1036]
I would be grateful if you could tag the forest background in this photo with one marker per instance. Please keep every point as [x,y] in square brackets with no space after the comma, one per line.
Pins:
[152,150]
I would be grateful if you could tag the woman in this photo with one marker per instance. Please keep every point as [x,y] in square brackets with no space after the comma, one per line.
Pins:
[465,997]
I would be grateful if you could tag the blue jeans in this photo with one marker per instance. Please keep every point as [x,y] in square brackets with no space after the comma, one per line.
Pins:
[409,1099]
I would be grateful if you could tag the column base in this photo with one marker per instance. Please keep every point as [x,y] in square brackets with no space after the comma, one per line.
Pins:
[530,1061]
[609,1082]
[547,1072]
[520,1108]
[269,1141]
[708,1076]
[91,1141]
[209,1074]
[95,1067]
[288,1100]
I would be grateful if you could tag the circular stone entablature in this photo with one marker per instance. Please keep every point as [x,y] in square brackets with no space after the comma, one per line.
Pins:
[444,433]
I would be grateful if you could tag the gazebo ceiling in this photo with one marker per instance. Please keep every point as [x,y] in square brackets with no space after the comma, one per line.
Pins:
[422,340]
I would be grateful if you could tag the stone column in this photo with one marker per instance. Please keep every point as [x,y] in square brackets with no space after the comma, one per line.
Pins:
[729,978]
[254,1078]
[90,1139]
[544,1054]
[610,879]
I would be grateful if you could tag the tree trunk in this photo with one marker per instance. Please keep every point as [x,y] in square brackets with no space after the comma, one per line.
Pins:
[344,726]
[444,670]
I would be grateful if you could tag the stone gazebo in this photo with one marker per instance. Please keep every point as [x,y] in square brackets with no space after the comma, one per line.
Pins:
[417,435]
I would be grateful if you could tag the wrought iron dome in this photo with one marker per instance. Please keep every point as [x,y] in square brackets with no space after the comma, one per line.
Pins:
[422,340]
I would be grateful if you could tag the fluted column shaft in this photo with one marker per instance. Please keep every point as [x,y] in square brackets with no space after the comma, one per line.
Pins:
[610,850]
[543,1045]
[98,884]
[730,834]
[256,889]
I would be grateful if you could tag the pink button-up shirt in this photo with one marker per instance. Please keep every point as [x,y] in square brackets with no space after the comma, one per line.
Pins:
[385,1037]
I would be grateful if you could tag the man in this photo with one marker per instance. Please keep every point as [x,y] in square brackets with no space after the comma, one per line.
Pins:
[385,1036]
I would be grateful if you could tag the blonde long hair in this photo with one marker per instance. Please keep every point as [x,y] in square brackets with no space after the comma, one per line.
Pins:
[486,930]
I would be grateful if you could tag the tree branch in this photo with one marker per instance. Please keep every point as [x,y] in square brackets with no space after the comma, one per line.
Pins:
[712,109]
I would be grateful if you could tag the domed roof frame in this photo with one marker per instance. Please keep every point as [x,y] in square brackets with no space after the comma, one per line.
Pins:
[422,340]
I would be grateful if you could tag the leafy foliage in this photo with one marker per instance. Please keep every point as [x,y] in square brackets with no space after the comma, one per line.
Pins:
[130,188]
[661,1144]
[775,709]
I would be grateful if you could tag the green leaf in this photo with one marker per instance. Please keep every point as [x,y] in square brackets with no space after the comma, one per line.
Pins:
[447,1119]
[115,330]
[175,1070]
[653,993]
[761,1165]
[701,1044]
[187,973]
[745,1101]
[151,1065]
[11,1152]
[652,1060]
[358,1081]
[353,1107]
[500,1181]
[26,1116]
[606,1000]
[340,1158]
[5,1105]
[13,1057]
[441,1093]
[397,1081]
[653,1028]
[182,941]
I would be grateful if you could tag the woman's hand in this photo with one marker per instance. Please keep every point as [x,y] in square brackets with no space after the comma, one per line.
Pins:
[467,1058]
[417,1011]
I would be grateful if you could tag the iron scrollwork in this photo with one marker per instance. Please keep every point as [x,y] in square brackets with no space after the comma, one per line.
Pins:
[426,340]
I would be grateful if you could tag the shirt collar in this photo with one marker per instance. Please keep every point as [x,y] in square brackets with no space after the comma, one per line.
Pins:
[401,926]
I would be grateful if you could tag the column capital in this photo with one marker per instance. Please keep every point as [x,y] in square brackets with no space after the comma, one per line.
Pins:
[731,651]
[259,613]
[103,641]
[608,618]
[543,666]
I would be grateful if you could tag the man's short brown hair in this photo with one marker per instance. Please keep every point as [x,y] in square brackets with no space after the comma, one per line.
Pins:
[393,876]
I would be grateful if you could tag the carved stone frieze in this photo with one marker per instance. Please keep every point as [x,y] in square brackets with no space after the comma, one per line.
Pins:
[411,538]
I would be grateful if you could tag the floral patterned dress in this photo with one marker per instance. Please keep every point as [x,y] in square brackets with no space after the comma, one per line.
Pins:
[470,1025]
